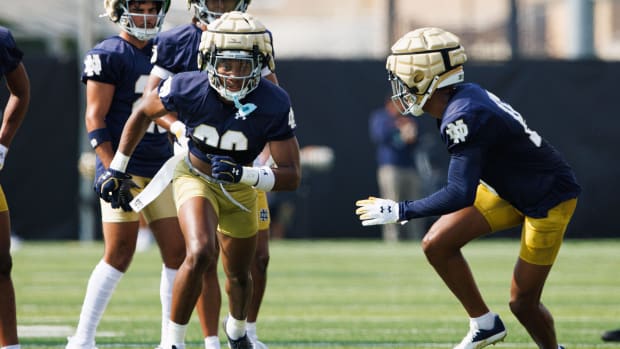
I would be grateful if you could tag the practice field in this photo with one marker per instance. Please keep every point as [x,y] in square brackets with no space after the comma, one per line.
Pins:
[328,294]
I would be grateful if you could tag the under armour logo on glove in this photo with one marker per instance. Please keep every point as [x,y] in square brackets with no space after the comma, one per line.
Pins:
[374,211]
[225,168]
[386,208]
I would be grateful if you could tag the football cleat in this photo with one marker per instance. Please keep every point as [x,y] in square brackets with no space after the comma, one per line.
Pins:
[611,336]
[478,338]
[239,343]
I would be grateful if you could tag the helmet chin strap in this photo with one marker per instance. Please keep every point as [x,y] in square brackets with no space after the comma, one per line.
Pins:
[416,109]
[454,78]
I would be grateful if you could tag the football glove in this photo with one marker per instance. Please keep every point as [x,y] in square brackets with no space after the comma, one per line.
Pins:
[225,168]
[179,130]
[374,211]
[114,187]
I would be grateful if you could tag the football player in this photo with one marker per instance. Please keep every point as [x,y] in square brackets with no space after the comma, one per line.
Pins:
[230,114]
[12,68]
[176,51]
[115,73]
[502,174]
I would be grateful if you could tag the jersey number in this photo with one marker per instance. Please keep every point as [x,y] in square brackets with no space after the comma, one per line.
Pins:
[230,140]
[534,136]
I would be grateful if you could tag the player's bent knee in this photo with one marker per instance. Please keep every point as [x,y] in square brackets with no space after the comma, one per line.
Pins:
[201,256]
[519,307]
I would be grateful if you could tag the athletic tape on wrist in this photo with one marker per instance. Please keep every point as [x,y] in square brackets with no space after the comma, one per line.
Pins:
[119,162]
[261,178]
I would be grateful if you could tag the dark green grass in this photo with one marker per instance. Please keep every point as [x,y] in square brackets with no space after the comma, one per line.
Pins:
[328,294]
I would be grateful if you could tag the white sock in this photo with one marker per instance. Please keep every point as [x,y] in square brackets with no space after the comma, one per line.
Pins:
[165,296]
[14,346]
[235,328]
[484,322]
[101,285]
[176,335]
[212,342]
[250,327]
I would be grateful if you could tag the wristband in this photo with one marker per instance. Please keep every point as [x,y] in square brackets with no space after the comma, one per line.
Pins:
[119,162]
[261,178]
[98,136]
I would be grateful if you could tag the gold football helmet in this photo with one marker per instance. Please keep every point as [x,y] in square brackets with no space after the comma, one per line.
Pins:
[233,50]
[422,61]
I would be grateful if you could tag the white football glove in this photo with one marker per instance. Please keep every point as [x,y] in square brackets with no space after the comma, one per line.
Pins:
[178,129]
[373,211]
[3,151]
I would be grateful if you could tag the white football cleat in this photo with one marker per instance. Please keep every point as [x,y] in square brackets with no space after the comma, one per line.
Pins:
[478,338]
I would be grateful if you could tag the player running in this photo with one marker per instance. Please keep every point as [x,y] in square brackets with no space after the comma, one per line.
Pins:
[230,114]
[176,51]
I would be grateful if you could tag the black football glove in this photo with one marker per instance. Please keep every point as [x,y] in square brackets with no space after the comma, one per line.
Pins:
[114,187]
[225,169]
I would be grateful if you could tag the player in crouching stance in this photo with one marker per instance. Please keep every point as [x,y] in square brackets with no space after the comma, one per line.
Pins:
[502,174]
[230,114]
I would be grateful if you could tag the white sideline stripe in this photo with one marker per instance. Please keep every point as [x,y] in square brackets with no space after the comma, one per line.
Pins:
[39,331]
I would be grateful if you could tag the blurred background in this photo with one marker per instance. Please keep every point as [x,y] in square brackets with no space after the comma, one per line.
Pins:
[555,61]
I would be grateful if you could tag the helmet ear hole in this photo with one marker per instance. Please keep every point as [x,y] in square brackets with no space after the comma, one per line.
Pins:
[418,77]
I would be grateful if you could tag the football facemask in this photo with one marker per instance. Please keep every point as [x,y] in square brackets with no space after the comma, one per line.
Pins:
[407,102]
[234,74]
[206,11]
[142,26]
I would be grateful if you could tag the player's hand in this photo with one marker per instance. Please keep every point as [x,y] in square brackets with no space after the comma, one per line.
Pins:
[373,211]
[114,187]
[226,169]
[3,151]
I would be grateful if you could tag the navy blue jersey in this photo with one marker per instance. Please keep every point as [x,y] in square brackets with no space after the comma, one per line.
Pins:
[10,55]
[217,128]
[176,50]
[117,62]
[488,140]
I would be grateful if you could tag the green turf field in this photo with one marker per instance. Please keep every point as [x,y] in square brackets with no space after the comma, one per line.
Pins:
[328,294]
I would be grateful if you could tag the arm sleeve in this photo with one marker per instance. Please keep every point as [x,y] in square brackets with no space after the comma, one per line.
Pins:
[463,179]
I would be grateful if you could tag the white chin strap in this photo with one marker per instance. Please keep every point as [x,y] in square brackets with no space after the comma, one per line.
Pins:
[416,109]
